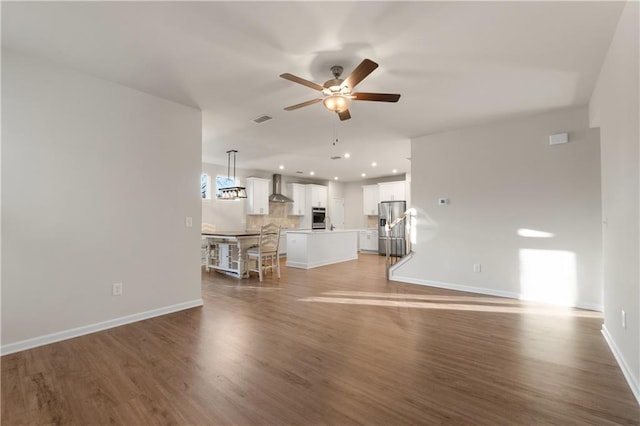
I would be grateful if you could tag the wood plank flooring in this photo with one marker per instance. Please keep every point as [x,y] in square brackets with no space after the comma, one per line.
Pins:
[336,345]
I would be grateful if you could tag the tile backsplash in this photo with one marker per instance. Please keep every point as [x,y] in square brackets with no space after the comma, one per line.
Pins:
[372,221]
[277,214]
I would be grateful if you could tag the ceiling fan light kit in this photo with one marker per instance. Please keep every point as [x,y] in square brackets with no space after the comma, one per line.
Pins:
[336,103]
[337,93]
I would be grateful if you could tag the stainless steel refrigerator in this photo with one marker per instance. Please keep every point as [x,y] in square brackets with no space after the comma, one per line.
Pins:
[388,211]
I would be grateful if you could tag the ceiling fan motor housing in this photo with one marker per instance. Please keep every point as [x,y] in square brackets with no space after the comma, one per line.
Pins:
[338,93]
[333,85]
[336,70]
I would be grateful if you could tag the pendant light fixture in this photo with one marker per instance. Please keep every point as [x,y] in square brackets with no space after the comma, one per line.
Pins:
[232,192]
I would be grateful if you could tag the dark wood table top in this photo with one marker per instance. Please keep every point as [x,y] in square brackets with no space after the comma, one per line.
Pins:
[232,234]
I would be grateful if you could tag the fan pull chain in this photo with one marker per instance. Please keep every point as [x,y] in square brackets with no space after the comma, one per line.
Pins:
[335,134]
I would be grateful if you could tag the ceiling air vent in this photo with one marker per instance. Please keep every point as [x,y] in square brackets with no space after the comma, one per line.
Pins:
[262,119]
[335,157]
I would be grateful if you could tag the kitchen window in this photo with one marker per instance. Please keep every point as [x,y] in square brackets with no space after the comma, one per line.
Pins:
[224,182]
[205,185]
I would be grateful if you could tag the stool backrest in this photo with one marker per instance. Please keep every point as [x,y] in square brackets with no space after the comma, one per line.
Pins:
[269,238]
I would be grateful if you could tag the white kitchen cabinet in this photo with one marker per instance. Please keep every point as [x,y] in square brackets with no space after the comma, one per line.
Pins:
[318,196]
[368,239]
[370,197]
[392,191]
[282,246]
[297,193]
[257,196]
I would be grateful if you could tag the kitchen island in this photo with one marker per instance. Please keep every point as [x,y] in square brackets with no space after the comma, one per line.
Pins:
[227,251]
[308,249]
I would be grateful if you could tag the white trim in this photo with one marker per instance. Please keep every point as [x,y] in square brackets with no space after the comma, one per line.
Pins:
[308,265]
[484,290]
[590,306]
[626,371]
[458,287]
[92,328]
[395,266]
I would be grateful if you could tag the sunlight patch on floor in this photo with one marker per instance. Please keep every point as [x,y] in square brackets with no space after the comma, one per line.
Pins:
[532,310]
[412,296]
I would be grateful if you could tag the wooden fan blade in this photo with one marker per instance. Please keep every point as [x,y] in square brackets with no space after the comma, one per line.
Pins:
[379,97]
[344,115]
[365,68]
[303,104]
[302,81]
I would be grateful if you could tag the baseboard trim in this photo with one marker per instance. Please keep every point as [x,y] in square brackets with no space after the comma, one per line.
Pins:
[92,328]
[398,264]
[483,290]
[306,265]
[626,371]
[457,287]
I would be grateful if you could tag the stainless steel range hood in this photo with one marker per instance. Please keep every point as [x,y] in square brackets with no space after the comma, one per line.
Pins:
[277,196]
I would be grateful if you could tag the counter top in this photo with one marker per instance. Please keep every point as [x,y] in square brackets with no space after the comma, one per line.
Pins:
[319,231]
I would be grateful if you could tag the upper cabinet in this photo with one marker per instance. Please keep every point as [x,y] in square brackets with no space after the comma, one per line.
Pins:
[296,192]
[370,199]
[392,191]
[317,196]
[257,196]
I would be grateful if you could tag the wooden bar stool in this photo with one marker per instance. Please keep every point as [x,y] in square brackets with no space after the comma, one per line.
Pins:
[267,253]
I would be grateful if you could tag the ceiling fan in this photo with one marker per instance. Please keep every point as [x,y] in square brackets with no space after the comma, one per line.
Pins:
[338,93]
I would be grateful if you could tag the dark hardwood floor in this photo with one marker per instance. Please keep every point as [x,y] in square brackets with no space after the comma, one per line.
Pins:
[337,345]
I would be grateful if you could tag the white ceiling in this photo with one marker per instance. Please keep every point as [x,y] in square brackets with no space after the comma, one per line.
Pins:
[455,64]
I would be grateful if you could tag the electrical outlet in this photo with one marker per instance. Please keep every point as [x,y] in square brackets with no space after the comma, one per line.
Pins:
[116,289]
[477,267]
[188,221]
[624,319]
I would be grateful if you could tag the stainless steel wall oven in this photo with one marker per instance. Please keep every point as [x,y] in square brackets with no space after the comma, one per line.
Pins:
[318,218]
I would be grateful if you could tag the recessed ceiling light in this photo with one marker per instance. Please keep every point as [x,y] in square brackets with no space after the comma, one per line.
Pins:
[363,175]
[374,164]
[394,171]
[335,178]
[312,173]
[347,155]
[281,167]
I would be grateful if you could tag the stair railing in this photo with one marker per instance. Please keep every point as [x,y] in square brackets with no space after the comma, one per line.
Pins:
[397,248]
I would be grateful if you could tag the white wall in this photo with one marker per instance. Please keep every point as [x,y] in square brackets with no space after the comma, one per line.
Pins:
[614,108]
[353,217]
[500,178]
[226,215]
[334,190]
[97,180]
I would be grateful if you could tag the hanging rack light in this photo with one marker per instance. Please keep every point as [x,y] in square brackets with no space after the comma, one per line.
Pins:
[232,192]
